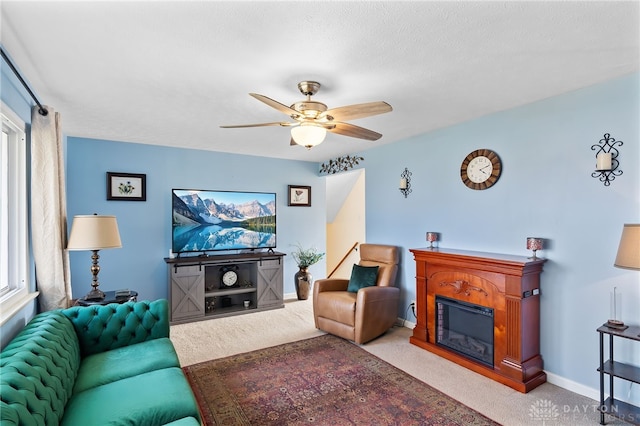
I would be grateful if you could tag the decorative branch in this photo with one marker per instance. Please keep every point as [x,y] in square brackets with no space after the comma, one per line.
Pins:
[340,164]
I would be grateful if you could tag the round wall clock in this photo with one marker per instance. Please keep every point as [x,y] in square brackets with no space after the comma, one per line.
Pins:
[481,169]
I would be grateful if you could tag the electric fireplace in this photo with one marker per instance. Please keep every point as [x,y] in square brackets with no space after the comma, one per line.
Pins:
[465,328]
[482,311]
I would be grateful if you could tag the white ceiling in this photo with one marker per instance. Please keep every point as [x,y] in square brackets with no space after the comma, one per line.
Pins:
[171,72]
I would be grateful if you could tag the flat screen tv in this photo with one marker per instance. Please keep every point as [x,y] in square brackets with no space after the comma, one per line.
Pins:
[205,221]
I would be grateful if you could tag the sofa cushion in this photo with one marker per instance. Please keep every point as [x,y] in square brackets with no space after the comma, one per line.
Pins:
[185,421]
[362,276]
[153,398]
[128,361]
[102,328]
[38,369]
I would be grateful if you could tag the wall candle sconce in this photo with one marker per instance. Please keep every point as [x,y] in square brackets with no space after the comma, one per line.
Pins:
[534,244]
[405,182]
[606,159]
[431,237]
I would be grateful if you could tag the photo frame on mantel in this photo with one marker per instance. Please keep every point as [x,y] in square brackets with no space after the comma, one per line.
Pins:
[126,186]
[299,196]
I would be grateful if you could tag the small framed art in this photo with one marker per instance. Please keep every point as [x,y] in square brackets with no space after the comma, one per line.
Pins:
[126,186]
[299,196]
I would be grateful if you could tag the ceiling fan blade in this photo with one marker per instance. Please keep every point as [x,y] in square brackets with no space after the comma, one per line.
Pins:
[275,123]
[346,129]
[277,105]
[352,112]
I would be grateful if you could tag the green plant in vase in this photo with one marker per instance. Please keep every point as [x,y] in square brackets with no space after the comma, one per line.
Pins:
[304,258]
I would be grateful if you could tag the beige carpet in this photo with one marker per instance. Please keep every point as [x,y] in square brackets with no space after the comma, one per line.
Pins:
[546,405]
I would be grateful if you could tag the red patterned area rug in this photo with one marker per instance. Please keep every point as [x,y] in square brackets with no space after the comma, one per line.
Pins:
[322,381]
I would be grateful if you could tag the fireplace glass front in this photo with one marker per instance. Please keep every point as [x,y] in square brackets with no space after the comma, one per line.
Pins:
[465,328]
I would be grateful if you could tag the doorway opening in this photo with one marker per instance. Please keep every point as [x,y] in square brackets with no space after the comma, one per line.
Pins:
[345,220]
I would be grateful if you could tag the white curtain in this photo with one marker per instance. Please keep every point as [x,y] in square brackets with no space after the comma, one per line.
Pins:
[49,211]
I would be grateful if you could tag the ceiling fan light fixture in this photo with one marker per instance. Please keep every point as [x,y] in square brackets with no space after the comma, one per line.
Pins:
[308,134]
[313,119]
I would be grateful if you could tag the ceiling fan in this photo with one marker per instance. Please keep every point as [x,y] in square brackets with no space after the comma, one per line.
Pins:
[312,119]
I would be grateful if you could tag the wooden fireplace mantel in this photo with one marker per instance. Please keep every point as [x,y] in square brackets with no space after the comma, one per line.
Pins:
[508,284]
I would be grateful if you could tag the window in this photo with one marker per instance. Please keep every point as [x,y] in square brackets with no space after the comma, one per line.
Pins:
[14,250]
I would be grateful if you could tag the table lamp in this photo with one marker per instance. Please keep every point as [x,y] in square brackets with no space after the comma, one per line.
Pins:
[628,256]
[94,232]
[534,244]
[431,237]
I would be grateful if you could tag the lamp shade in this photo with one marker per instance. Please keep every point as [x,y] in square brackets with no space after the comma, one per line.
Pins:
[629,249]
[534,243]
[432,236]
[308,134]
[93,232]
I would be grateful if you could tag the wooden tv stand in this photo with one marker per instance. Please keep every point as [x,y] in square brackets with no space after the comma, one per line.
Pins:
[510,285]
[196,291]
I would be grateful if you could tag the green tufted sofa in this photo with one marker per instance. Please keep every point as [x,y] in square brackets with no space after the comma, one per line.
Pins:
[97,365]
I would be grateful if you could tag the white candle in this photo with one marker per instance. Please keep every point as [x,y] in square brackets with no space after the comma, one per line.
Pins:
[603,161]
[403,183]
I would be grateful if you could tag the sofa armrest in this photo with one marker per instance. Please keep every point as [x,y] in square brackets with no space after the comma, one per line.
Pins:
[326,284]
[376,311]
[331,284]
[375,294]
[102,328]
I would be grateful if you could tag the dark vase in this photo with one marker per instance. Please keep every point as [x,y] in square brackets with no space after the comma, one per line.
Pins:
[303,281]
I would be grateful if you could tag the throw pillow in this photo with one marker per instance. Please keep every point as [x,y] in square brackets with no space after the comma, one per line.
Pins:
[362,276]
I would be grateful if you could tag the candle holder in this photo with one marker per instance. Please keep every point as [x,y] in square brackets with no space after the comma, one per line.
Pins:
[405,182]
[606,159]
[431,237]
[534,244]
[614,322]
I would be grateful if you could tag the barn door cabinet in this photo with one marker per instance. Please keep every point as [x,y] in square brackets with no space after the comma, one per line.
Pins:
[196,289]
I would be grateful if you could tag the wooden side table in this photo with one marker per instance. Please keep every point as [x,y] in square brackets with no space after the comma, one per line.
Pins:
[109,297]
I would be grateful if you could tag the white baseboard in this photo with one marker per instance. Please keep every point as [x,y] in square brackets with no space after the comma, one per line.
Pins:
[572,386]
[405,323]
[592,393]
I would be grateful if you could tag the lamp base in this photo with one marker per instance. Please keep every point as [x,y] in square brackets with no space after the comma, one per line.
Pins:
[94,294]
[617,324]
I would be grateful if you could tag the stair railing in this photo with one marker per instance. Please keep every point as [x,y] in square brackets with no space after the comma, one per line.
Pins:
[344,258]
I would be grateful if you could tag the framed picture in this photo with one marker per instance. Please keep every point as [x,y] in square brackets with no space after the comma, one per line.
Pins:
[126,186]
[299,196]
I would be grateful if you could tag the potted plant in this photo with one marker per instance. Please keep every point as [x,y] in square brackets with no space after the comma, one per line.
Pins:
[304,258]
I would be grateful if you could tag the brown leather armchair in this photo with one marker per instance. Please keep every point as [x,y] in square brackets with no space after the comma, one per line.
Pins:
[364,315]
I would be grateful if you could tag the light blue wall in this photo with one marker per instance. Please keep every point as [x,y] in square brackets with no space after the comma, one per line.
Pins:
[13,93]
[546,190]
[17,99]
[145,227]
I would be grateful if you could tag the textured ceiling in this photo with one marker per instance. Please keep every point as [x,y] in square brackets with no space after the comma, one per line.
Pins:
[171,72]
